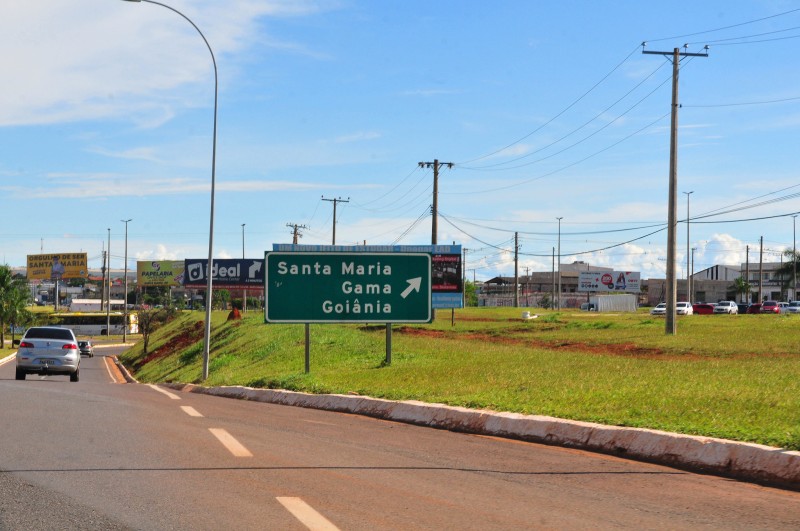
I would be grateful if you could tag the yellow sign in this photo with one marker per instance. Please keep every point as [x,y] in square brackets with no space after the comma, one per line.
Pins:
[159,273]
[57,266]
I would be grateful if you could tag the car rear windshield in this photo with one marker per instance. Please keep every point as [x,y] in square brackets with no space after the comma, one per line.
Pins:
[49,333]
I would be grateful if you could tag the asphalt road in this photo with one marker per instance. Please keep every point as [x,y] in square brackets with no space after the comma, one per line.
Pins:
[100,454]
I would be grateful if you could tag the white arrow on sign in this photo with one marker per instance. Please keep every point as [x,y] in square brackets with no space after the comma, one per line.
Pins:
[414,284]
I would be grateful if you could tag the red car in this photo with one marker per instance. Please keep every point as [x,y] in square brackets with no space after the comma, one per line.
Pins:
[770,307]
[754,308]
[703,308]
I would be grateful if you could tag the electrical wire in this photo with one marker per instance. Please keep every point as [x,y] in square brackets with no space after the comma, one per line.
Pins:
[568,107]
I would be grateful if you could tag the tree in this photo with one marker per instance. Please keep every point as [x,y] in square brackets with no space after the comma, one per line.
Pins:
[150,319]
[470,297]
[742,287]
[7,287]
[16,308]
[788,270]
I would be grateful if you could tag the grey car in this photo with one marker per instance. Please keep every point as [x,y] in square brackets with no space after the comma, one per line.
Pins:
[48,350]
[86,347]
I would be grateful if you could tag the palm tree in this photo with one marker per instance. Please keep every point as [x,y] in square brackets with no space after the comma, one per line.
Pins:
[742,287]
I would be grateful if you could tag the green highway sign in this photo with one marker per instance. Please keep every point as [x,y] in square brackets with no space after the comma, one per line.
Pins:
[331,287]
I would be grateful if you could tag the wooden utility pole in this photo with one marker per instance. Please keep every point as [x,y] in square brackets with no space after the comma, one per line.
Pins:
[296,231]
[671,298]
[516,270]
[761,272]
[435,207]
[747,274]
[334,201]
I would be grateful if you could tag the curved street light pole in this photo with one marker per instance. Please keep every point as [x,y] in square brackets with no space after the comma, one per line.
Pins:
[207,337]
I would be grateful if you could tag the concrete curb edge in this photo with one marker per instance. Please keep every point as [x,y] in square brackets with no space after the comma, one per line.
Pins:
[745,461]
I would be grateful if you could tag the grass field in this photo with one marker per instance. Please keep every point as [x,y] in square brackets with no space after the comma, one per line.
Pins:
[735,377]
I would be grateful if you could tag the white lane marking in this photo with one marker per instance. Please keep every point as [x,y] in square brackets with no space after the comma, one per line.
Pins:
[192,412]
[8,358]
[109,371]
[306,514]
[227,440]
[173,396]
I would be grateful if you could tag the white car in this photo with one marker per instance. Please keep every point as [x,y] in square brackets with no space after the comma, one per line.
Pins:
[793,307]
[728,307]
[659,309]
[684,308]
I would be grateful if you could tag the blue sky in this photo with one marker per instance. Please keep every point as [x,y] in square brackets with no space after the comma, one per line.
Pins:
[547,109]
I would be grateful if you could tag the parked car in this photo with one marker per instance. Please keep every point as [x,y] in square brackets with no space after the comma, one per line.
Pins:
[770,307]
[743,306]
[728,307]
[683,308]
[703,308]
[783,306]
[48,350]
[754,308]
[588,307]
[86,347]
[659,309]
[793,307]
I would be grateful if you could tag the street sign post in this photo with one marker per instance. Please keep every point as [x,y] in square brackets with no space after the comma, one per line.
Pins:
[330,287]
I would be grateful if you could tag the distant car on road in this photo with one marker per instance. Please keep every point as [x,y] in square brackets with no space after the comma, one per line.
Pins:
[754,308]
[86,347]
[770,307]
[659,309]
[728,307]
[683,308]
[703,308]
[48,350]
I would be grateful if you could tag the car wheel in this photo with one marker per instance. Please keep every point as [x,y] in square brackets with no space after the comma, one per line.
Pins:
[75,376]
[20,374]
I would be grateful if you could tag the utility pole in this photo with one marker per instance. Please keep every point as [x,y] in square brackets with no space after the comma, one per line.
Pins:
[553,275]
[761,272]
[747,273]
[125,298]
[296,231]
[108,306]
[559,262]
[688,274]
[794,257]
[435,208]
[335,201]
[103,293]
[516,270]
[671,297]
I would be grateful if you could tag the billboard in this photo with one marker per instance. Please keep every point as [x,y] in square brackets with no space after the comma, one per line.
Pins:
[608,281]
[57,266]
[159,273]
[226,273]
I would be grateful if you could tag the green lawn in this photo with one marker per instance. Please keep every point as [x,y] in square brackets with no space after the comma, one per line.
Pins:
[736,377]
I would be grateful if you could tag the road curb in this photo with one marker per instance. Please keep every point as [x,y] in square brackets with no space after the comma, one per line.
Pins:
[744,461]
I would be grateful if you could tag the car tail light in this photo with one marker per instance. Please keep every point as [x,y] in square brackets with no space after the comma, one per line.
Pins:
[25,344]
[70,346]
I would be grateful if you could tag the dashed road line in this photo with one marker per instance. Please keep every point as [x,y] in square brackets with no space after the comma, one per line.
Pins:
[173,396]
[306,514]
[228,441]
[192,412]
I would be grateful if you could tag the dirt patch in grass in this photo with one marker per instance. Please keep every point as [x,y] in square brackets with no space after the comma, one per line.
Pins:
[177,343]
[617,349]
